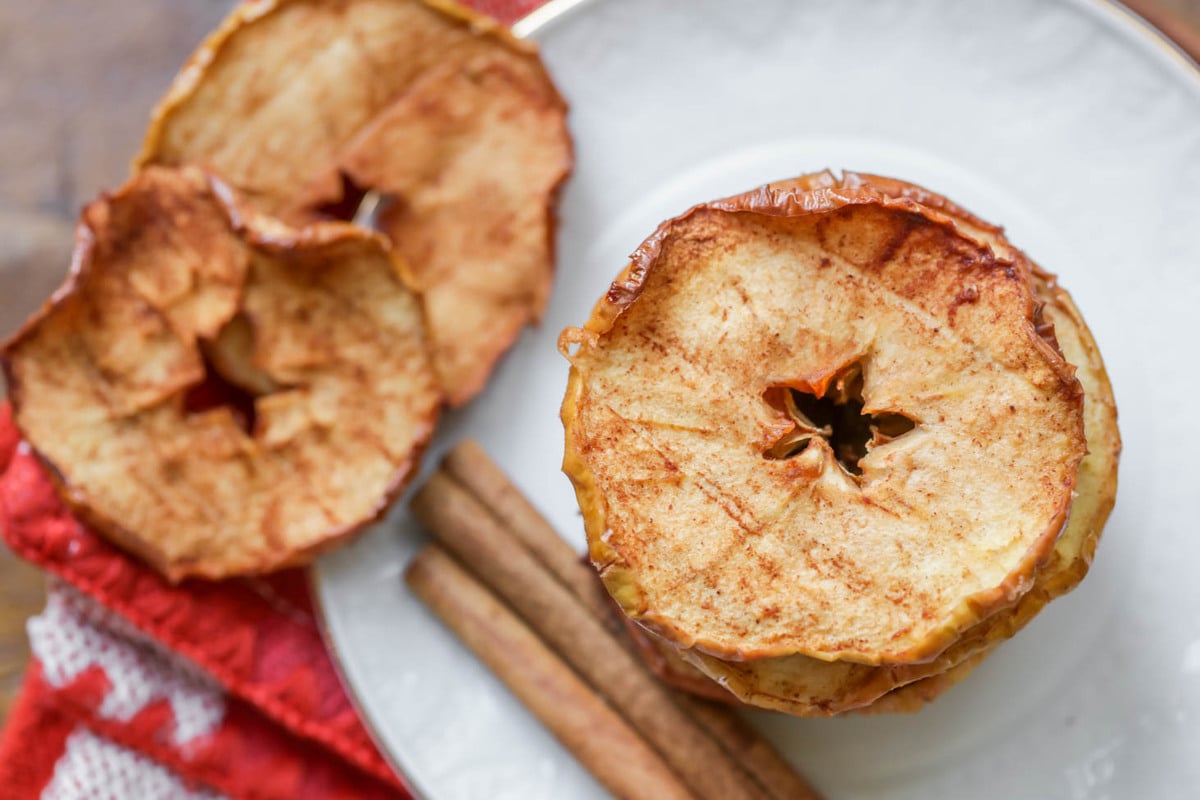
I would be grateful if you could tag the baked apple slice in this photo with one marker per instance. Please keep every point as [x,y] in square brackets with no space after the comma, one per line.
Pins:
[305,105]
[217,392]
[823,422]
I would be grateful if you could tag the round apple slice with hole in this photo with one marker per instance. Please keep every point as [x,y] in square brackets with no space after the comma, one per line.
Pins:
[447,122]
[712,535]
[217,392]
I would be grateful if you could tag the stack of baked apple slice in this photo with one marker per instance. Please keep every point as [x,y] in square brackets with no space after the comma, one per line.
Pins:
[226,335]
[834,440]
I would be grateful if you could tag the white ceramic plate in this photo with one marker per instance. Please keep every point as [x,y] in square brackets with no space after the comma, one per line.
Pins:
[1070,123]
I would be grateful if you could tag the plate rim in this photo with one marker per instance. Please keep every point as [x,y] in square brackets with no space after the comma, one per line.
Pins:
[530,27]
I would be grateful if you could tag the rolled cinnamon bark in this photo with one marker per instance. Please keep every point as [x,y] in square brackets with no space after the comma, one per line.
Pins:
[605,745]
[743,741]
[470,465]
[469,531]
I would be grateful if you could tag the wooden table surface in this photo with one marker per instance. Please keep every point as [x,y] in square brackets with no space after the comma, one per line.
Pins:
[76,86]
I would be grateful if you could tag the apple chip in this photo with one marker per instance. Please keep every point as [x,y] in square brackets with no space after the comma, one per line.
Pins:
[820,419]
[217,392]
[305,105]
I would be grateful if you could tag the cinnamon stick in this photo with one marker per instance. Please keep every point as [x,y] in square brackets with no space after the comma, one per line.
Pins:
[470,532]
[605,745]
[743,741]
[470,465]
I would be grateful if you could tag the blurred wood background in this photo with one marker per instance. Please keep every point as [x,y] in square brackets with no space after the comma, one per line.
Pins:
[77,82]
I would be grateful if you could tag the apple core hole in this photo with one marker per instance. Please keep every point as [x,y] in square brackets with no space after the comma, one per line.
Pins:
[346,207]
[214,391]
[837,417]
